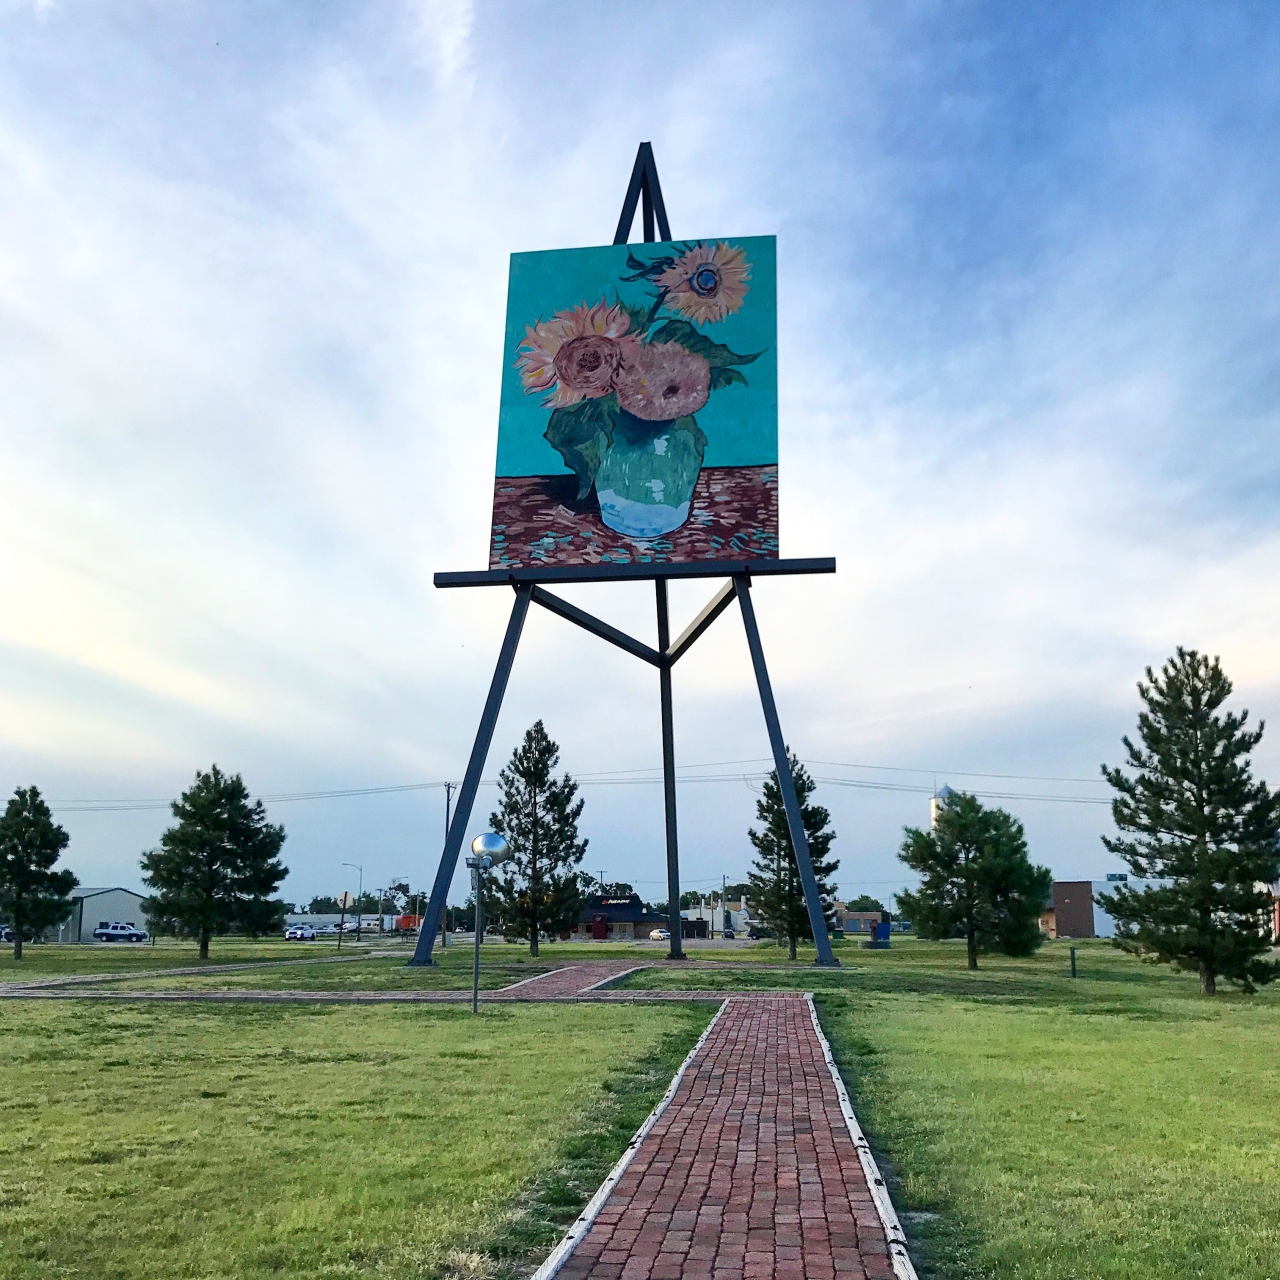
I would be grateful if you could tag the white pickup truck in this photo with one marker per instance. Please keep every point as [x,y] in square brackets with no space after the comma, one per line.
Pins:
[118,932]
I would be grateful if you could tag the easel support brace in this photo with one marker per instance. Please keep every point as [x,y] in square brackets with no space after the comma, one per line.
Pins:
[527,591]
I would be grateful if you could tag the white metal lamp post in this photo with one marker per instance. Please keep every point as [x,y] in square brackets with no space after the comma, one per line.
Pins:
[487,850]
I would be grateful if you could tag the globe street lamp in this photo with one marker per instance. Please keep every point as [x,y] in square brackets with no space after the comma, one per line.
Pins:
[487,850]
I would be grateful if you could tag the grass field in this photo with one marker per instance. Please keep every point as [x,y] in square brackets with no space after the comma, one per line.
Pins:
[1115,1127]
[52,960]
[380,974]
[248,1141]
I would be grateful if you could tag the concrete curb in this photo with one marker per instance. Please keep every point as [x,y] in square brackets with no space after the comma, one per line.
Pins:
[561,1253]
[896,1237]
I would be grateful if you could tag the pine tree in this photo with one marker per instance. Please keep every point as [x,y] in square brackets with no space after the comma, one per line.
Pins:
[977,881]
[217,868]
[32,895]
[539,891]
[776,894]
[1197,822]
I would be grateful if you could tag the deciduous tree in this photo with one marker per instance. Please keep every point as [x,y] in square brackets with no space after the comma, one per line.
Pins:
[539,890]
[775,892]
[217,868]
[976,880]
[865,902]
[32,895]
[1193,819]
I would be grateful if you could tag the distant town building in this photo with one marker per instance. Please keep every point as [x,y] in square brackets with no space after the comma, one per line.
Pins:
[1069,913]
[613,919]
[936,801]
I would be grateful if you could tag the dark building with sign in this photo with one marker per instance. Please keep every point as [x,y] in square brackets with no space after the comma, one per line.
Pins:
[1070,913]
[616,919]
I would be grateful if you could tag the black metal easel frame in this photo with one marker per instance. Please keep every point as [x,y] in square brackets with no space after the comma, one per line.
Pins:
[529,588]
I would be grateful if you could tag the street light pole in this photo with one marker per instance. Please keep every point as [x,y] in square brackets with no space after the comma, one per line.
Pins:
[355,866]
[477,890]
[487,851]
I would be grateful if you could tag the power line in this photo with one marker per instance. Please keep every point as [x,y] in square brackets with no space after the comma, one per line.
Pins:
[586,780]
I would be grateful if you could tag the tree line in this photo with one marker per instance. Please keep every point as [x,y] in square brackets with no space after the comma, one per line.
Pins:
[1194,826]
[214,871]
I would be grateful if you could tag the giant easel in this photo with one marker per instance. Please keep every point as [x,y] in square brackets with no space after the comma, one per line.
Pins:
[529,588]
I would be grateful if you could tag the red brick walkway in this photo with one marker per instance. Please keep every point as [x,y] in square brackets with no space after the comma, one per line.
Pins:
[749,1174]
[572,980]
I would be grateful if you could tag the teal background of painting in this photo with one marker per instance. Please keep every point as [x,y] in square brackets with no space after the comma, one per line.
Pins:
[741,423]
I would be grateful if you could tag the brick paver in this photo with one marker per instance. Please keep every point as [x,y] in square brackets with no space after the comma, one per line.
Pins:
[749,1174]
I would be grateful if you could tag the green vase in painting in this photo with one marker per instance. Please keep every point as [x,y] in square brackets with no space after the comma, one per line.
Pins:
[647,474]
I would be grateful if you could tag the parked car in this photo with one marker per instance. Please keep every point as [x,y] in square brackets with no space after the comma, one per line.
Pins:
[659,935]
[300,933]
[117,932]
[729,933]
[757,933]
[6,934]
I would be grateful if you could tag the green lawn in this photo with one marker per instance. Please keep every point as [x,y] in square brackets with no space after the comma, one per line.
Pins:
[380,974]
[500,966]
[250,1141]
[1115,1127]
[52,960]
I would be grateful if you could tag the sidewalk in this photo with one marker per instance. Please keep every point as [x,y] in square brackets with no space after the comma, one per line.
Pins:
[750,1173]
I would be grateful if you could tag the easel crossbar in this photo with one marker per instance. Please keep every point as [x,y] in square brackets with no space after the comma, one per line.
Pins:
[635,572]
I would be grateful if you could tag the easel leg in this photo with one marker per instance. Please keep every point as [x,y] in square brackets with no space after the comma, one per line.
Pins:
[471,783]
[795,822]
[669,776]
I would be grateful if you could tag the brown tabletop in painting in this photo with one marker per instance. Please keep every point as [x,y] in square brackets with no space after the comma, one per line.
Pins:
[734,515]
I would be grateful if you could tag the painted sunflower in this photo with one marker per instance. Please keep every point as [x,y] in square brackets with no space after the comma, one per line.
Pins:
[662,381]
[576,353]
[707,283]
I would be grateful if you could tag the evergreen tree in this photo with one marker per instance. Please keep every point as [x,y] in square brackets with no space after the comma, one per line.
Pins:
[217,868]
[1195,820]
[539,889]
[32,895]
[976,880]
[775,891]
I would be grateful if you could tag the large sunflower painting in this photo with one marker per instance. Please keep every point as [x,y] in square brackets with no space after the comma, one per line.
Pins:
[639,413]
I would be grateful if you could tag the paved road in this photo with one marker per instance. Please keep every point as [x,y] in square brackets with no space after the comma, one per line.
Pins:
[751,1172]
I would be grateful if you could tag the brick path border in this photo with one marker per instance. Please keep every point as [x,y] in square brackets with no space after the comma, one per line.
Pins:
[894,1234]
[899,1258]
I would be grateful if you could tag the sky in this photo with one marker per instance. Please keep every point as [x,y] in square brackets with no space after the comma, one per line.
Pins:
[253,263]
